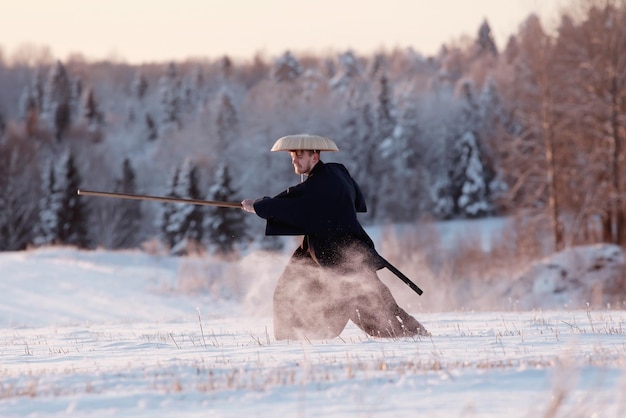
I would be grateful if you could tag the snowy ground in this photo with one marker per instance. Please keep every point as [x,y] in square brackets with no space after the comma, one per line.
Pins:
[130,334]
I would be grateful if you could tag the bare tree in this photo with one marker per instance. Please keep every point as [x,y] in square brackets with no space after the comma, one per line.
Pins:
[590,54]
[532,147]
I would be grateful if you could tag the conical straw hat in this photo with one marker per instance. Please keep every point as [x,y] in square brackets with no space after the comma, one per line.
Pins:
[304,142]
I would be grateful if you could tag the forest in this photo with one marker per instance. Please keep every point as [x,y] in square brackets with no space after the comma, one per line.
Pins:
[534,131]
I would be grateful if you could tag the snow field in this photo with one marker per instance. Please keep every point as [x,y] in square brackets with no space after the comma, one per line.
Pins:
[129,334]
[486,364]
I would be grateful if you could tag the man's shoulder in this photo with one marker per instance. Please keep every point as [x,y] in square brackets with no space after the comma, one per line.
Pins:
[330,171]
[336,166]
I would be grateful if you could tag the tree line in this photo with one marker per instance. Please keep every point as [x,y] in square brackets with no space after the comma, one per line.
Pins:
[536,129]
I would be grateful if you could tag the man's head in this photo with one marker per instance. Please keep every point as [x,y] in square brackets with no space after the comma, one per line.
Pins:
[304,160]
[304,150]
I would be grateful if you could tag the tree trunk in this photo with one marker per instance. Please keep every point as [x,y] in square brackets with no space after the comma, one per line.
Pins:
[617,201]
[548,135]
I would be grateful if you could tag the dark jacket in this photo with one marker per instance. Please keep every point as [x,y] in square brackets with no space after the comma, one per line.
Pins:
[323,209]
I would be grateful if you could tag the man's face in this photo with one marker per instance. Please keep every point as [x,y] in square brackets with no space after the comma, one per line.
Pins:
[303,161]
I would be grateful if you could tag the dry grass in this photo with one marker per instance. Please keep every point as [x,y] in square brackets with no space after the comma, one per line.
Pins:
[470,271]
[250,361]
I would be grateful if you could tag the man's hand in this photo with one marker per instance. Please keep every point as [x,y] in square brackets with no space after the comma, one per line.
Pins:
[248,205]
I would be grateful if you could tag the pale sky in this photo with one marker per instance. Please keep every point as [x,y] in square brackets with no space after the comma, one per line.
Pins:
[157,30]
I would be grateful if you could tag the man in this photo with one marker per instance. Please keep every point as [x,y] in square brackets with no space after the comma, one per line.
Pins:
[331,277]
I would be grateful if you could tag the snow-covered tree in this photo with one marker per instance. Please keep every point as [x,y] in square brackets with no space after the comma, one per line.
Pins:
[18,199]
[34,91]
[469,189]
[225,227]
[492,111]
[227,121]
[164,221]
[130,210]
[57,102]
[181,224]
[90,111]
[3,126]
[470,176]
[50,206]
[170,90]
[441,196]
[378,65]
[188,187]
[349,71]
[73,216]
[226,67]
[385,111]
[387,133]
[116,223]
[287,68]
[77,95]
[358,138]
[28,110]
[124,216]
[151,132]
[139,86]
[485,42]
[495,124]
[197,93]
[137,101]
[407,168]
[63,215]
[471,114]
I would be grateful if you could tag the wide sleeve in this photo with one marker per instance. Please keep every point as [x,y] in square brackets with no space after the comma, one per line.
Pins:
[292,212]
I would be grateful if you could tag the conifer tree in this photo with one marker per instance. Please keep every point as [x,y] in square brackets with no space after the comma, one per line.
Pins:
[385,180]
[50,205]
[441,196]
[18,199]
[227,120]
[28,110]
[3,126]
[359,137]
[198,88]
[164,222]
[182,223]
[407,169]
[469,190]
[192,215]
[171,102]
[77,95]
[90,111]
[63,215]
[57,105]
[151,128]
[378,65]
[73,214]
[226,67]
[139,86]
[386,117]
[469,176]
[492,113]
[225,227]
[38,87]
[485,42]
[129,224]
[349,71]
[136,102]
[287,68]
